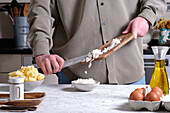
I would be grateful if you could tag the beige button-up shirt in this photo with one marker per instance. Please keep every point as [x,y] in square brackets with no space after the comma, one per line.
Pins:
[84,25]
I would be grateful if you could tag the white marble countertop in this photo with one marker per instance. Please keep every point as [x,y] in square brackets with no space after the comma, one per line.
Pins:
[103,99]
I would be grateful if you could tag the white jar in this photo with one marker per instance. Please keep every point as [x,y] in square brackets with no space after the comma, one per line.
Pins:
[16,88]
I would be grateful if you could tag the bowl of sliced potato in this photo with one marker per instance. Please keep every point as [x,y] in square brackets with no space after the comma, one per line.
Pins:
[31,85]
[32,78]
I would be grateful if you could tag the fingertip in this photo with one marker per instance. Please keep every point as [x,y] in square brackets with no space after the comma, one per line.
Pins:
[124,32]
[61,64]
[44,70]
[135,36]
[60,69]
[45,73]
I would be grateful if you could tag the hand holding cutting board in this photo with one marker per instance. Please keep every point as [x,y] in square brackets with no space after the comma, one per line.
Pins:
[139,26]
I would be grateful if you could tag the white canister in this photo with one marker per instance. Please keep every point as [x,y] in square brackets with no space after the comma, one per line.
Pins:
[16,88]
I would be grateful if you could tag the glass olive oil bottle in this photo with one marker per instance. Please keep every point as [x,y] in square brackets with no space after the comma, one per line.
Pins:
[159,77]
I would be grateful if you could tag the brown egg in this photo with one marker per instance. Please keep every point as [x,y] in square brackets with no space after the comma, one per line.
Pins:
[141,90]
[136,95]
[152,96]
[158,91]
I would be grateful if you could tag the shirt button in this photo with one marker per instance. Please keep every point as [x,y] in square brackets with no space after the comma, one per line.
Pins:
[102,4]
[104,23]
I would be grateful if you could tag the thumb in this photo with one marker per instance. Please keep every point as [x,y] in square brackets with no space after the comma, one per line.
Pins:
[127,29]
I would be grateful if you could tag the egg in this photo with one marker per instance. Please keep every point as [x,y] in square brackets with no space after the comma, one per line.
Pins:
[136,95]
[141,90]
[152,96]
[158,91]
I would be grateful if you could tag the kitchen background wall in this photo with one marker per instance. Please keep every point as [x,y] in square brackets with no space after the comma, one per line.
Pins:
[6,25]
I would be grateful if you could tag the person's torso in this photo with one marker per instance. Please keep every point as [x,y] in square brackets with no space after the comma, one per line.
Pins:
[85,25]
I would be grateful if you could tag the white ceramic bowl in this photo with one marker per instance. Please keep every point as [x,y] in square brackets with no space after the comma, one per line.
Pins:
[31,85]
[85,87]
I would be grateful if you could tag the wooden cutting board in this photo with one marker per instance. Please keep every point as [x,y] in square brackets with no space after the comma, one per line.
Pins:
[124,39]
[30,103]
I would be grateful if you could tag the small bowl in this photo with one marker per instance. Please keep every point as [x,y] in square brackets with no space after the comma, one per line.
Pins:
[31,85]
[85,87]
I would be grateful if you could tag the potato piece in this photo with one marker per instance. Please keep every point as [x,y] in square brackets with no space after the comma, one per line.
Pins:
[29,73]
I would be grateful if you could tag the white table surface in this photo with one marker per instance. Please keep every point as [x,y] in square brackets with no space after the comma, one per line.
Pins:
[103,99]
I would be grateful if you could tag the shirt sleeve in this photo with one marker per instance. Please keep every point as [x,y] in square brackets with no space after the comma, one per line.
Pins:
[152,10]
[41,18]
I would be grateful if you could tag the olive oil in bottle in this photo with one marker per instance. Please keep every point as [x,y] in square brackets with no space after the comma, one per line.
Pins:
[159,76]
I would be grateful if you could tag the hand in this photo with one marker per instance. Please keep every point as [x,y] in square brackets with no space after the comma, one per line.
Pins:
[49,63]
[139,26]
